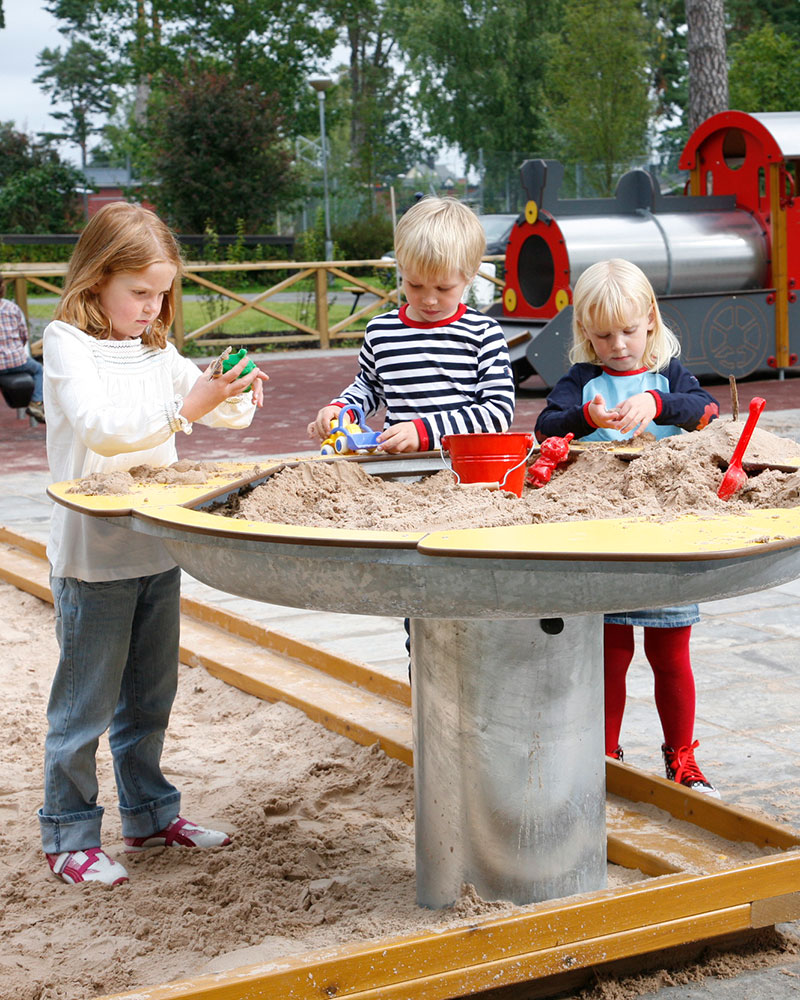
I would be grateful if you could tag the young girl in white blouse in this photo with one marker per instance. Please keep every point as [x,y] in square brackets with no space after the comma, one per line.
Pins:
[116,393]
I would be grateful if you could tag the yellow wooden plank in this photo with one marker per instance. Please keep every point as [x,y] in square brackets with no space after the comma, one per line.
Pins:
[648,862]
[710,814]
[340,707]
[542,941]
[683,845]
[776,910]
[25,542]
[349,671]
[228,527]
[25,572]
[687,537]
[146,495]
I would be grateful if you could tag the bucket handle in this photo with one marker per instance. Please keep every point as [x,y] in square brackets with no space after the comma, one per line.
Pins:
[442,446]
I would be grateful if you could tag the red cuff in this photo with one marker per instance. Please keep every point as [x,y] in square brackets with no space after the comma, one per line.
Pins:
[422,430]
[659,403]
[586,416]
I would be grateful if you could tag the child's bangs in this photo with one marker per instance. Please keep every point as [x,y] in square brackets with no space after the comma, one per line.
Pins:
[613,311]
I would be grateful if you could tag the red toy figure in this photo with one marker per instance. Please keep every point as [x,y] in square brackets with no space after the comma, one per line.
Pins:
[552,452]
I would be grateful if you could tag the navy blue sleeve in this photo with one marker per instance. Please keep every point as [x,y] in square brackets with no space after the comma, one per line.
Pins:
[564,412]
[687,404]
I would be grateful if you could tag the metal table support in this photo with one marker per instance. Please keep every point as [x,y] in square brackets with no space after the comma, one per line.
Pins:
[508,757]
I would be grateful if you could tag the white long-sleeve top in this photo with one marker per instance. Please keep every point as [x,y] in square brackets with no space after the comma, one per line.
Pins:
[111,405]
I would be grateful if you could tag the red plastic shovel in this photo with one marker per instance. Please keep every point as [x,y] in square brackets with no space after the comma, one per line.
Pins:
[735,476]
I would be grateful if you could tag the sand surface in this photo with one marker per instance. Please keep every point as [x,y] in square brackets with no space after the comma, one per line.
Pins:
[322,854]
[669,478]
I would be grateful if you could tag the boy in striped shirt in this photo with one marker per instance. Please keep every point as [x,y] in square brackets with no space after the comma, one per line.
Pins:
[438,366]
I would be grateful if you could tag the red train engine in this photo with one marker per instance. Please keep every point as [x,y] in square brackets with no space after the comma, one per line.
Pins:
[724,259]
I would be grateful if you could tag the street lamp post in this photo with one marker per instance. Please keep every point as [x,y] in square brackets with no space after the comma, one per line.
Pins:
[321,86]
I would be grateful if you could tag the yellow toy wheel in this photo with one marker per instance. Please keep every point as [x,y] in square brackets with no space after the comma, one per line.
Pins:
[531,212]
[562,299]
[510,300]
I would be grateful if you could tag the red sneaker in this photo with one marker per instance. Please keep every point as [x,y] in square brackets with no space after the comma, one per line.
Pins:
[681,766]
[179,833]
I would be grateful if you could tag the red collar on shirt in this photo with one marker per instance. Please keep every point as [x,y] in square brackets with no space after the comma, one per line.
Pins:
[404,318]
[610,371]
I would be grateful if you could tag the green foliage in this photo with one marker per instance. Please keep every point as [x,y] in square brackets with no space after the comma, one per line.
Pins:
[216,146]
[746,16]
[366,238]
[273,44]
[46,253]
[480,68]
[38,190]
[384,135]
[765,71]
[597,86]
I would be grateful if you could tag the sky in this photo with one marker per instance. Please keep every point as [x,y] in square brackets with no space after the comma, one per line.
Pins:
[29,29]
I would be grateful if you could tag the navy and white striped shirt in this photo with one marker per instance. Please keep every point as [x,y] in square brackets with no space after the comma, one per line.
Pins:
[448,378]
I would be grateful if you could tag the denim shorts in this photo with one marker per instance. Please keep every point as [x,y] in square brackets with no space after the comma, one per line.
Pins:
[674,617]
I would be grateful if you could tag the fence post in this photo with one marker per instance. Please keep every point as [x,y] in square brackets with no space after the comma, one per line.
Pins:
[321,305]
[21,295]
[178,327]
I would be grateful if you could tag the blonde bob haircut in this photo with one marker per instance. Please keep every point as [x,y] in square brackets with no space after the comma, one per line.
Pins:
[438,236]
[119,238]
[612,294]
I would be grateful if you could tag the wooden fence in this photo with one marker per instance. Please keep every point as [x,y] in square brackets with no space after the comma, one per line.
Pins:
[311,279]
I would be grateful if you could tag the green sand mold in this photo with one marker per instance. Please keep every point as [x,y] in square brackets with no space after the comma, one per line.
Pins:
[233,359]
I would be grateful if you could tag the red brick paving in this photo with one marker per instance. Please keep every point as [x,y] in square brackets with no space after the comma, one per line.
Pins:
[299,385]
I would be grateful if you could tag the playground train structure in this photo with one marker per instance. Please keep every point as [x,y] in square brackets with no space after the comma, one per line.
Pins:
[723,258]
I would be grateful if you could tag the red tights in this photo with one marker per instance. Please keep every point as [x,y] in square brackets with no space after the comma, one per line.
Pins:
[667,652]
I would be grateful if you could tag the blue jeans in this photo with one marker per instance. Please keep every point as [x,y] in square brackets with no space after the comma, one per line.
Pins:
[118,671]
[31,367]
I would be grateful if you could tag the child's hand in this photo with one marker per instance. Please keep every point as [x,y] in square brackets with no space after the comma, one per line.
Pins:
[399,438]
[320,426]
[600,416]
[206,394]
[636,412]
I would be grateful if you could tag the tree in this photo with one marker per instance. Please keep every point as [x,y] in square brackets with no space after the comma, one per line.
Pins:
[597,86]
[274,44]
[765,71]
[82,78]
[479,67]
[708,68]
[217,152]
[374,134]
[746,16]
[38,190]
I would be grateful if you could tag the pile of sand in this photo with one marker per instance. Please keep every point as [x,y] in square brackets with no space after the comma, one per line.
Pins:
[181,473]
[674,476]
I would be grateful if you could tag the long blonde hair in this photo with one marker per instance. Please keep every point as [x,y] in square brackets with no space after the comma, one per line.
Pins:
[604,297]
[120,237]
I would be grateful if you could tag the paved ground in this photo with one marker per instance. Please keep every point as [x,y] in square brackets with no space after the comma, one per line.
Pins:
[303,381]
[745,650]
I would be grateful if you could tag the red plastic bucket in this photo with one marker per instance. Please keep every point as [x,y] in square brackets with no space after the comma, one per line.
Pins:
[489,458]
